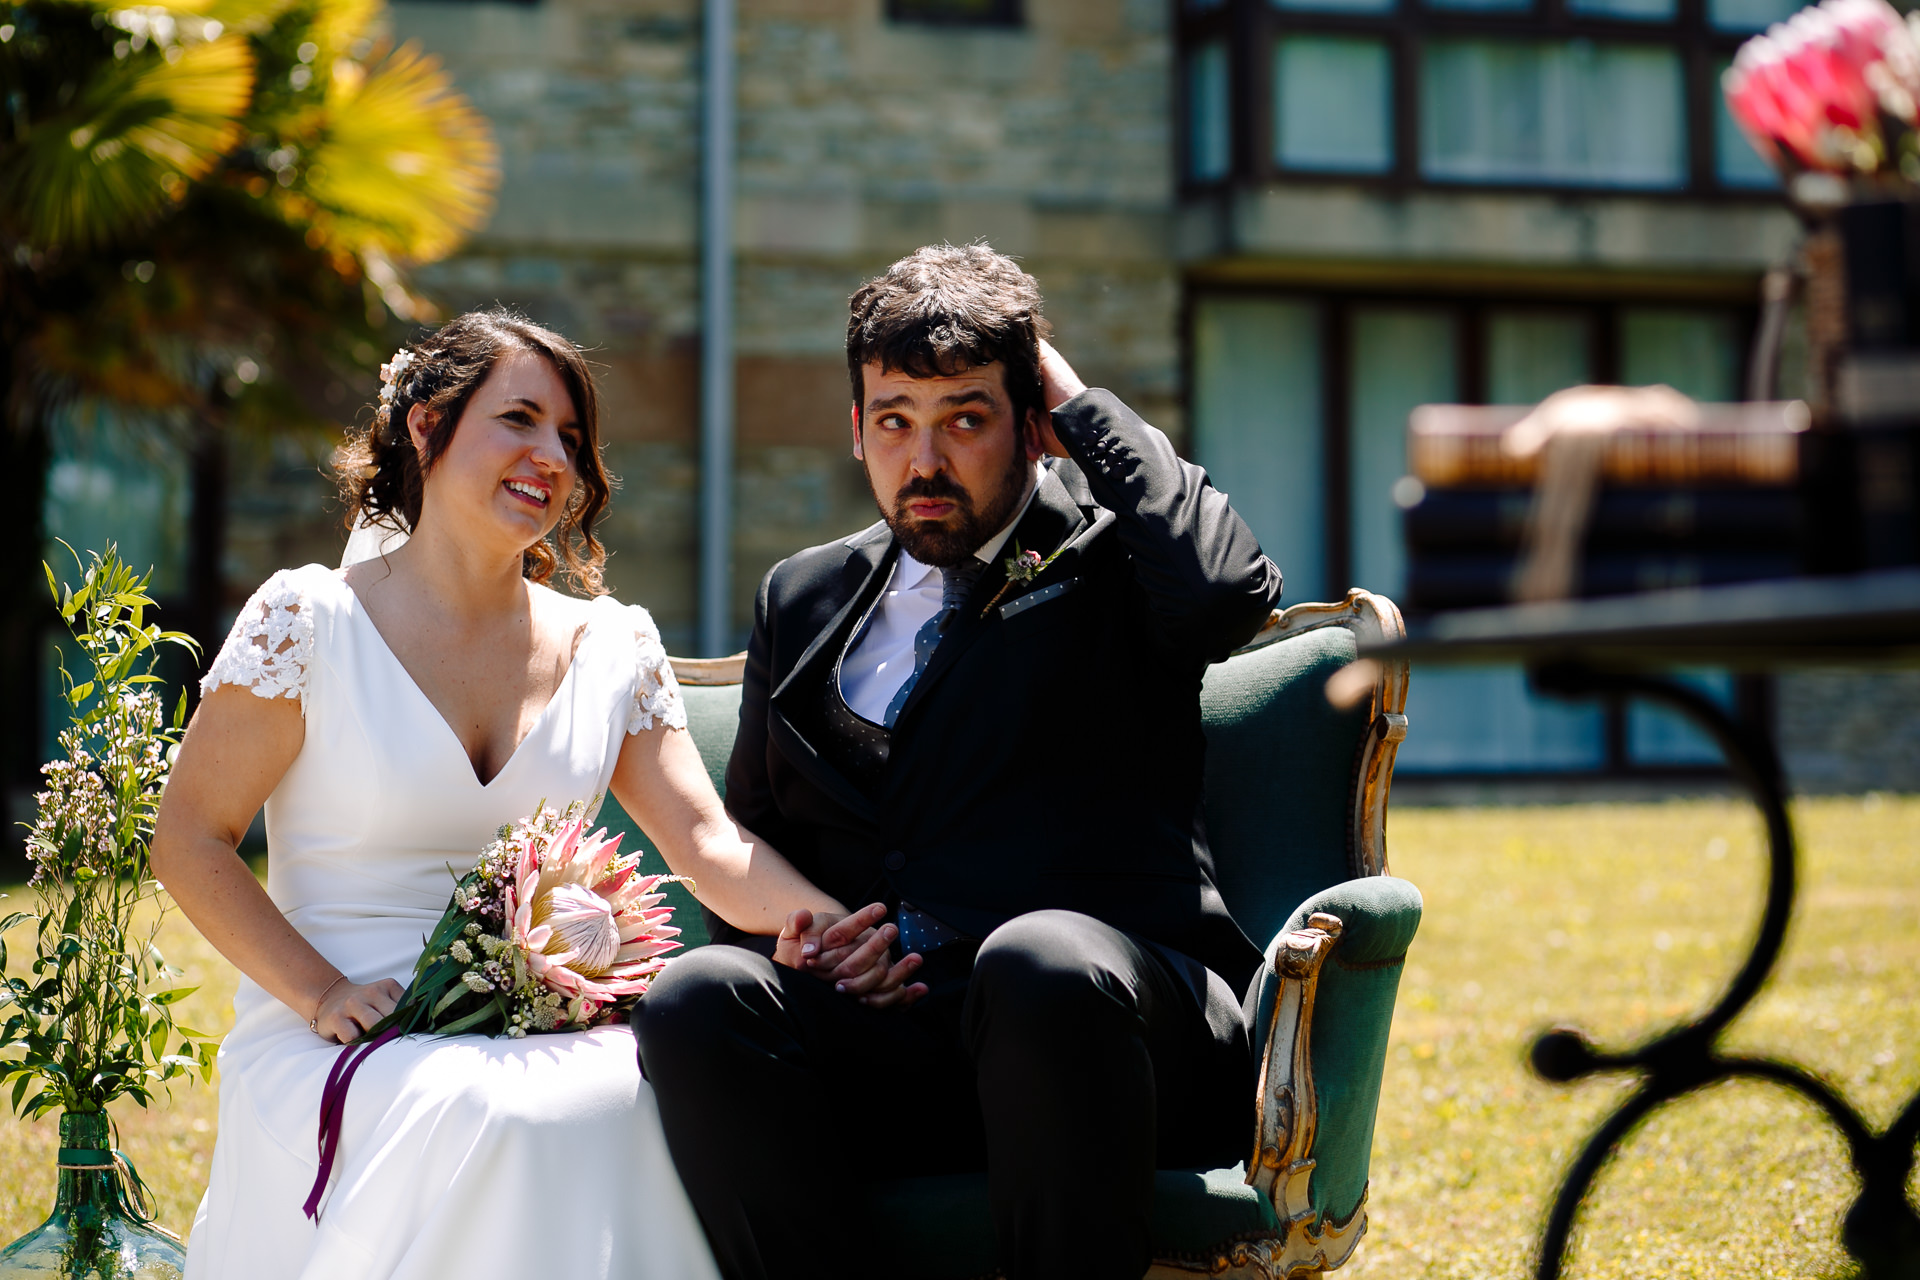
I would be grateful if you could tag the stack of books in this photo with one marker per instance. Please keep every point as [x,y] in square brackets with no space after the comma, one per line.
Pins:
[1714,504]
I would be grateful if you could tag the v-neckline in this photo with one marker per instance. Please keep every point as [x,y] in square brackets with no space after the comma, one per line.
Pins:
[459,747]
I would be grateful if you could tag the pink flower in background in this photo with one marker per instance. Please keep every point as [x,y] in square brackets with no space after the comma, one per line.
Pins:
[1816,85]
[589,927]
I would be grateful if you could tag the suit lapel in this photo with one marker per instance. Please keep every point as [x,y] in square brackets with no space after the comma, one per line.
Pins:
[870,558]
[1093,520]
[868,565]
[1052,522]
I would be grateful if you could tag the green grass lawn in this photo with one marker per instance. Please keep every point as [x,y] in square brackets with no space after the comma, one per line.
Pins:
[1617,918]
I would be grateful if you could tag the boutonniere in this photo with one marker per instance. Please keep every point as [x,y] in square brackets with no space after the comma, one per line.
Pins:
[1022,567]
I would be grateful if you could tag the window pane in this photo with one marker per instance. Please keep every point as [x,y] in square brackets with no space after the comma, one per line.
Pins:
[1658,736]
[1486,721]
[1532,354]
[1735,162]
[1337,6]
[117,479]
[1697,352]
[956,13]
[1482,6]
[1256,426]
[1209,133]
[1749,15]
[1401,358]
[1574,113]
[1630,10]
[1333,104]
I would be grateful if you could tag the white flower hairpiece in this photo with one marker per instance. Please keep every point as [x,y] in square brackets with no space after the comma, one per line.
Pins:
[390,374]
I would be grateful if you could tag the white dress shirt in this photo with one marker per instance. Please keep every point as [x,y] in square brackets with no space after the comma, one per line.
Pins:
[882,657]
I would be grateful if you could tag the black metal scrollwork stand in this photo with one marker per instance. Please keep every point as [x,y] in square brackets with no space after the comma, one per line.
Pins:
[1881,1230]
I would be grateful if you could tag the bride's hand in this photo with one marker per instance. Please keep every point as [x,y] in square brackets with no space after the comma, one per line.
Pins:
[347,1010]
[851,952]
[818,941]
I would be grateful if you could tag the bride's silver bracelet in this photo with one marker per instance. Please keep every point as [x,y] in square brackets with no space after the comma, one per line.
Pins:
[313,1023]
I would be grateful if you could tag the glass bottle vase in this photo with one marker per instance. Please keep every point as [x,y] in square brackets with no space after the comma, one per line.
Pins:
[92,1234]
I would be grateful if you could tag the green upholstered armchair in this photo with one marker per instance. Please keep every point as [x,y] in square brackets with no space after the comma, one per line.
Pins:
[1296,814]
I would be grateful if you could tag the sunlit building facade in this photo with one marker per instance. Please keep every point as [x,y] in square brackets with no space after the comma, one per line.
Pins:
[1274,226]
[1391,202]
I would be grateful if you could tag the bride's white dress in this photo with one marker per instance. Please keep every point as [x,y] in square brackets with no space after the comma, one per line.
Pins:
[469,1156]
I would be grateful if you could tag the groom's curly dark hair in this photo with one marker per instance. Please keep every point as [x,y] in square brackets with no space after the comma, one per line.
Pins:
[944,309]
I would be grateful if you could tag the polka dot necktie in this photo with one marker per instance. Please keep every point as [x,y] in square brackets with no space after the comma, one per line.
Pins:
[956,584]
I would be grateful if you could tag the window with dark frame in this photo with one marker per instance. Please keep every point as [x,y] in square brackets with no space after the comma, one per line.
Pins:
[1606,95]
[1299,408]
[956,13]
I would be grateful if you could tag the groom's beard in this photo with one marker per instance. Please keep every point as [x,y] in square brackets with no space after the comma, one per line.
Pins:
[946,543]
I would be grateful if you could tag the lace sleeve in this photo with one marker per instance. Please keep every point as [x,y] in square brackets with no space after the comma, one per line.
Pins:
[271,644]
[656,694]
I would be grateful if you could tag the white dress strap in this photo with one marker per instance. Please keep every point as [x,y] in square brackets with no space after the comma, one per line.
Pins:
[271,644]
[656,694]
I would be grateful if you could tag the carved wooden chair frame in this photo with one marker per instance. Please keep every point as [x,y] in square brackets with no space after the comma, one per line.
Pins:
[1286,1109]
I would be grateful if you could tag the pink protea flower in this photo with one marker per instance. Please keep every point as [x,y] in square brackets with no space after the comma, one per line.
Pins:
[590,927]
[1815,86]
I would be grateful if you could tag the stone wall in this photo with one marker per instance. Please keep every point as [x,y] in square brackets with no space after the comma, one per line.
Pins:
[1849,730]
[859,140]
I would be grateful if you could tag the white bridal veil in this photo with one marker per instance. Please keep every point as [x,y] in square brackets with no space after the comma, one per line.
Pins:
[373,538]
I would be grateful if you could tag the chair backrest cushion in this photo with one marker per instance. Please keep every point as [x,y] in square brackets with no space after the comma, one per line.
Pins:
[713,717]
[1280,776]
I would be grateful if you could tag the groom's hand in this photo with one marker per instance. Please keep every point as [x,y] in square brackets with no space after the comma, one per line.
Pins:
[865,974]
[851,952]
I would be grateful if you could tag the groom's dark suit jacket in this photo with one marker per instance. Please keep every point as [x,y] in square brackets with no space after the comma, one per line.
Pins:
[1051,754]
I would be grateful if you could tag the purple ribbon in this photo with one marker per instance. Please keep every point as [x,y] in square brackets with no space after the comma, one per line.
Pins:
[333,1110]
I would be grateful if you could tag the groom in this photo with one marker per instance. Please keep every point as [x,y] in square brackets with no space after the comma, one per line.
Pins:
[984,713]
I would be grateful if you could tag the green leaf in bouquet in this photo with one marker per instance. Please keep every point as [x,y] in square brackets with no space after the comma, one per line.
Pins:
[174,996]
[472,1020]
[445,1002]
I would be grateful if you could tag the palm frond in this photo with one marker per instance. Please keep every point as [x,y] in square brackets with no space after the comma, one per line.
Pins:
[253,17]
[404,168]
[337,25]
[140,130]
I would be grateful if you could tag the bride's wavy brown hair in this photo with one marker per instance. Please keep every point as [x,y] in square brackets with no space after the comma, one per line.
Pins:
[381,474]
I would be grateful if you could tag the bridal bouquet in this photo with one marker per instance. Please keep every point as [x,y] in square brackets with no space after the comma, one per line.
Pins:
[553,930]
[1834,89]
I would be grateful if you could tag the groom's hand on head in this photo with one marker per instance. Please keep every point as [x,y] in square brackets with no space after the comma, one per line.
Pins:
[1058,384]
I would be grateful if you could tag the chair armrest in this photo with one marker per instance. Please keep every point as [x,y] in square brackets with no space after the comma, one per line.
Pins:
[1318,1015]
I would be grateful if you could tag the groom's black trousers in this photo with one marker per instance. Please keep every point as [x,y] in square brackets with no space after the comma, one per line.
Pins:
[1067,1059]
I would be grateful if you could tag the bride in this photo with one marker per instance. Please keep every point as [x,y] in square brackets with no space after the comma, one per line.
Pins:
[391,716]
